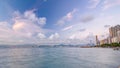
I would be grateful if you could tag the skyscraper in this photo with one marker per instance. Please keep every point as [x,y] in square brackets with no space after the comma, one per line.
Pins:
[113,31]
[97,41]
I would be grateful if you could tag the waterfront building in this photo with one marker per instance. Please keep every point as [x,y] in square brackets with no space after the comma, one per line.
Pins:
[101,42]
[118,36]
[114,34]
[115,40]
[97,41]
[105,41]
[109,41]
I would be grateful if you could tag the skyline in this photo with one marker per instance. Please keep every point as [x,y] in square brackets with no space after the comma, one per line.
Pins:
[56,21]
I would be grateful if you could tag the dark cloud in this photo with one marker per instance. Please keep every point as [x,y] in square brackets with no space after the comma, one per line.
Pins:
[106,26]
[87,18]
[82,30]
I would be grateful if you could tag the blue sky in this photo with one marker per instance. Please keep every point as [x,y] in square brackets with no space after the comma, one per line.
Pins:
[56,21]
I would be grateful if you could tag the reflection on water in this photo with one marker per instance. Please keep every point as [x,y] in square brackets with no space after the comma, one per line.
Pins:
[59,58]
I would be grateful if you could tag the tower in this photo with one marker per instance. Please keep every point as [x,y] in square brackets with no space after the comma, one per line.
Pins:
[97,41]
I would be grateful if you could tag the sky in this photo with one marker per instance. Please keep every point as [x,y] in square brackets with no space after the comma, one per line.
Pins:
[51,22]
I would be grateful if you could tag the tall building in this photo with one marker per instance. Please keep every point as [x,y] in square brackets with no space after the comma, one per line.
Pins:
[97,41]
[118,36]
[113,31]
[104,41]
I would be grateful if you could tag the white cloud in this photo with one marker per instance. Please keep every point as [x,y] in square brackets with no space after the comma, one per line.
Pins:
[73,36]
[67,28]
[66,18]
[94,3]
[7,35]
[110,3]
[41,36]
[24,27]
[77,35]
[31,16]
[28,22]
[42,21]
[54,36]
[4,29]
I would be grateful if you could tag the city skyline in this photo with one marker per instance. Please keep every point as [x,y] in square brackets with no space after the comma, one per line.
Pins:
[56,21]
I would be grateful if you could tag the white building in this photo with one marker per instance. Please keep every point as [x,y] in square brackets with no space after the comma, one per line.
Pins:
[118,34]
[115,39]
[115,34]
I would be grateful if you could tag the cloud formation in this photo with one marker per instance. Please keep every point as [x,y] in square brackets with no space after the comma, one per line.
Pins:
[67,28]
[41,36]
[78,35]
[110,3]
[25,26]
[94,3]
[66,18]
[54,36]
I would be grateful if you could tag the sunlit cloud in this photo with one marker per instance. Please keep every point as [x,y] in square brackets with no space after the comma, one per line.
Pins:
[24,27]
[18,26]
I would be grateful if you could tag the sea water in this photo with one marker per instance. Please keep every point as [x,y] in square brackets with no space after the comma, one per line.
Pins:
[59,58]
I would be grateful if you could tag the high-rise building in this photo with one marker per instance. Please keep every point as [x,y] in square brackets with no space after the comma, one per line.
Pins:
[118,36]
[114,33]
[97,41]
[104,41]
[113,30]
